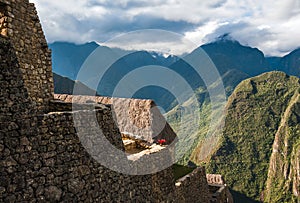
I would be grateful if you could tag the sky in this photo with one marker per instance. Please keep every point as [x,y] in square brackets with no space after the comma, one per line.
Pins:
[273,26]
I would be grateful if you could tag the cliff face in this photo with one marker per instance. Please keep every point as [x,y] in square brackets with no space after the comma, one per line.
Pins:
[284,175]
[259,146]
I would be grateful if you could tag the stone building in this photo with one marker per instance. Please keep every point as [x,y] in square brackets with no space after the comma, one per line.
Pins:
[42,158]
[140,120]
[219,191]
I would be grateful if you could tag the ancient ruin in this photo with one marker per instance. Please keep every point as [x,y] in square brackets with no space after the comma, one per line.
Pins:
[219,191]
[42,157]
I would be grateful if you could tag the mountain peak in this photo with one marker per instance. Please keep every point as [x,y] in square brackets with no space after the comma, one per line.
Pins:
[225,38]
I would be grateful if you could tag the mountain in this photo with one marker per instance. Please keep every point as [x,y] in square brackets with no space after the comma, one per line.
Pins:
[258,149]
[63,85]
[164,60]
[67,58]
[283,176]
[121,68]
[231,58]
[274,63]
[229,54]
[290,63]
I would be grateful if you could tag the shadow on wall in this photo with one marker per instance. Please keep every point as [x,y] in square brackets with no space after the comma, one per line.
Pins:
[241,198]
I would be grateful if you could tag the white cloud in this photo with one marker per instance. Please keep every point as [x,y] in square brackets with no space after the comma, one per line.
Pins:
[198,35]
[271,25]
[154,40]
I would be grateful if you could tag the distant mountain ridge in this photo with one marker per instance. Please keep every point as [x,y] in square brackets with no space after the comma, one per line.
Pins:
[230,54]
[226,53]
[291,63]
[67,58]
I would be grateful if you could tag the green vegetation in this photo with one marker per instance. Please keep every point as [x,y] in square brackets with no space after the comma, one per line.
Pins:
[191,133]
[260,111]
[255,112]
[282,178]
[187,141]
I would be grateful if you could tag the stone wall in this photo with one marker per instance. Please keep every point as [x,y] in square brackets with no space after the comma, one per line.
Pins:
[72,172]
[52,165]
[215,179]
[193,187]
[42,158]
[137,118]
[16,122]
[219,191]
[20,23]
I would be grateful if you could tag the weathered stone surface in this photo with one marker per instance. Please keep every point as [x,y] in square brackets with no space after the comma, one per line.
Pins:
[9,162]
[136,118]
[53,193]
[190,186]
[18,24]
[42,158]
[215,179]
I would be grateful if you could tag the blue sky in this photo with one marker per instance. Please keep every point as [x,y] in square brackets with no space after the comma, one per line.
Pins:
[270,25]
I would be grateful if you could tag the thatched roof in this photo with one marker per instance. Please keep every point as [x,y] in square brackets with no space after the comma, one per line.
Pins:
[136,118]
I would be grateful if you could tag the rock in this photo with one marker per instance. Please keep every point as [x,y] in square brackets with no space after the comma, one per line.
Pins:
[75,186]
[53,193]
[10,162]
[24,141]
[84,170]
[2,190]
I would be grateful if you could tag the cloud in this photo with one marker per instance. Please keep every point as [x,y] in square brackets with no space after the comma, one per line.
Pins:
[271,25]
[162,41]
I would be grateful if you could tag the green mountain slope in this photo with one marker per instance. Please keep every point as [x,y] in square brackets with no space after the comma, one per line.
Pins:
[260,111]
[180,119]
[283,176]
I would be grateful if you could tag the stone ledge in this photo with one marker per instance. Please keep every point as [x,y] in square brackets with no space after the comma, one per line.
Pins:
[153,149]
[60,106]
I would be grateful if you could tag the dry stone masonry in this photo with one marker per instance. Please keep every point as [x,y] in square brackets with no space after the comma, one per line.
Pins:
[219,191]
[42,158]
[141,119]
[20,23]
[190,186]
